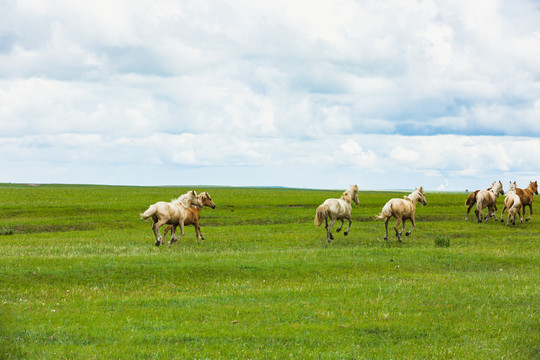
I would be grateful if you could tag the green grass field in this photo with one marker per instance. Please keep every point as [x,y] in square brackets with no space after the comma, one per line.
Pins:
[82,279]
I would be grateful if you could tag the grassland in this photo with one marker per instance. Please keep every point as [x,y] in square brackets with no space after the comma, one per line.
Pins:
[81,279]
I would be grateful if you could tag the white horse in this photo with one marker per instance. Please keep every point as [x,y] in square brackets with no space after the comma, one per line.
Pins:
[337,209]
[172,213]
[512,202]
[402,209]
[488,198]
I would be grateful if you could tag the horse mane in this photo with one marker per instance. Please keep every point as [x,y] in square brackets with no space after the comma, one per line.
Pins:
[415,194]
[204,195]
[184,200]
[346,196]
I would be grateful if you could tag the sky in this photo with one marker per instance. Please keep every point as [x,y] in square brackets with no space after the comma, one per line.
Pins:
[309,94]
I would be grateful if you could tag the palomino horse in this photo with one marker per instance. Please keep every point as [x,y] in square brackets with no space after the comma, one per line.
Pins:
[402,209]
[513,204]
[337,209]
[488,198]
[471,200]
[526,197]
[172,213]
[193,215]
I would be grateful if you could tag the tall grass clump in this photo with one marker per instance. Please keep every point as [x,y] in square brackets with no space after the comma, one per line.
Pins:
[6,231]
[442,241]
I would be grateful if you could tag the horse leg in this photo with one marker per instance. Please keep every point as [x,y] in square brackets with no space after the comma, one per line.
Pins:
[530,212]
[173,239]
[489,213]
[156,233]
[341,227]
[502,212]
[157,226]
[167,229]
[396,227]
[200,232]
[197,230]
[494,212]
[173,231]
[349,228]
[413,225]
[478,214]
[329,235]
[386,228]
[468,210]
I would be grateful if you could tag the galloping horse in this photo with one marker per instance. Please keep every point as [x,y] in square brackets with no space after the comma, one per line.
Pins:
[172,213]
[471,200]
[513,204]
[488,198]
[526,196]
[193,215]
[402,209]
[337,209]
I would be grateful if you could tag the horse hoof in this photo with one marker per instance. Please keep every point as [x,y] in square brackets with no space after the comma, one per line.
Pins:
[346,233]
[157,243]
[386,238]
[338,230]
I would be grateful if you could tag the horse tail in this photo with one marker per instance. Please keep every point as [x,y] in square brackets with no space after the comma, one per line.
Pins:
[321,214]
[386,212]
[471,199]
[512,209]
[151,211]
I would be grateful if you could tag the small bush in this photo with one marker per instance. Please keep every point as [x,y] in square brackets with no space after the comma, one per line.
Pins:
[442,241]
[6,231]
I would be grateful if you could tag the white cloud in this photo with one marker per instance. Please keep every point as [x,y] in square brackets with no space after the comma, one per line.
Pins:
[411,88]
[405,155]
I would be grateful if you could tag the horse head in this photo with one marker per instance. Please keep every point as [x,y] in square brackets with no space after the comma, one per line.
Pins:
[534,187]
[193,199]
[512,186]
[206,200]
[497,188]
[421,196]
[354,189]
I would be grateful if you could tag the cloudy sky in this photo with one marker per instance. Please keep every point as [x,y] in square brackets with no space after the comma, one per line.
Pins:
[300,93]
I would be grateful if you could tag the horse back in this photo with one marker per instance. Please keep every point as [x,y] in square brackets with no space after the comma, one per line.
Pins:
[402,208]
[471,199]
[170,212]
[486,198]
[525,197]
[338,209]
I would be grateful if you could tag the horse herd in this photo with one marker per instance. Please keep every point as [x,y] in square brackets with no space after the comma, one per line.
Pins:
[186,210]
